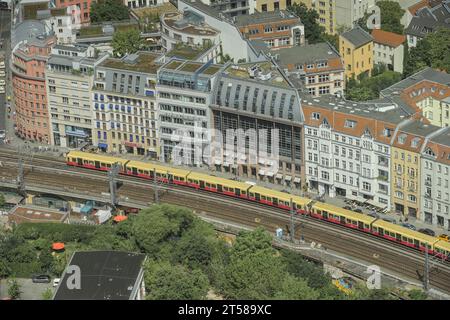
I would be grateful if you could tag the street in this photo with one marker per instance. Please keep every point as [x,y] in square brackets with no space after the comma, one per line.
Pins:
[5,35]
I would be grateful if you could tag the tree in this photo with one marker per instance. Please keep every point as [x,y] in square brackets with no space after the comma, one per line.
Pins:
[14,289]
[309,18]
[369,88]
[127,42]
[108,10]
[165,281]
[359,94]
[431,51]
[417,294]
[2,200]
[293,288]
[391,14]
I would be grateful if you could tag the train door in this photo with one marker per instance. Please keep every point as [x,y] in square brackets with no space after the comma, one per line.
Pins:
[97,164]
[360,225]
[170,177]
[134,170]
[152,174]
[219,188]
[79,161]
[398,237]
[275,201]
[202,184]
[416,243]
[257,196]
[342,220]
[237,192]
[325,214]
[381,231]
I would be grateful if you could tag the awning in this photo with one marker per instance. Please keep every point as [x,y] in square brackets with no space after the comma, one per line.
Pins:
[356,198]
[288,178]
[58,246]
[261,161]
[261,172]
[269,173]
[279,176]
[376,204]
[297,180]
[103,145]
[120,218]
[226,164]
[218,161]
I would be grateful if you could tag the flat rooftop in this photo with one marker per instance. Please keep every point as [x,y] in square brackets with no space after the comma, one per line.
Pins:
[176,20]
[37,214]
[264,17]
[97,30]
[186,52]
[143,62]
[266,71]
[309,53]
[105,275]
[191,67]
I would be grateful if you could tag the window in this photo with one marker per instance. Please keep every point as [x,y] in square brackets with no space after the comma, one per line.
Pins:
[315,116]
[264,8]
[350,123]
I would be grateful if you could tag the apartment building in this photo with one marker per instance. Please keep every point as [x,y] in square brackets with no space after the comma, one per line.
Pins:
[347,147]
[31,46]
[184,94]
[427,92]
[388,49]
[61,23]
[278,29]
[350,11]
[133,4]
[187,27]
[69,80]
[315,69]
[232,8]
[258,97]
[435,176]
[427,18]
[406,167]
[79,9]
[356,48]
[125,115]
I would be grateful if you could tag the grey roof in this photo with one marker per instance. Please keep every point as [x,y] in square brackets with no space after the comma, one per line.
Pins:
[419,128]
[305,54]
[263,17]
[105,275]
[427,73]
[442,138]
[77,48]
[379,109]
[429,19]
[357,36]
[62,60]
[197,4]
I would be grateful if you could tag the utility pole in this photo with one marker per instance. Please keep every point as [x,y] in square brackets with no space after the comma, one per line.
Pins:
[426,274]
[155,184]
[112,175]
[292,222]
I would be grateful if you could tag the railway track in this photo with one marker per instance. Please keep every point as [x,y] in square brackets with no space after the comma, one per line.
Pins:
[387,255]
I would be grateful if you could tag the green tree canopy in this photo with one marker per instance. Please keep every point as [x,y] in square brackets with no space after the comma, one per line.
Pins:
[369,87]
[391,14]
[127,42]
[432,51]
[108,10]
[2,200]
[309,18]
[14,291]
[165,281]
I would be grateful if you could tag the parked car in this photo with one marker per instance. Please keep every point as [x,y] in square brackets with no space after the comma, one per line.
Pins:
[56,282]
[41,278]
[427,232]
[444,237]
[348,208]
[358,210]
[409,226]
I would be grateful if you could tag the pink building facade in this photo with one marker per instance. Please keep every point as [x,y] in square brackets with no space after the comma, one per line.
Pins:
[83,6]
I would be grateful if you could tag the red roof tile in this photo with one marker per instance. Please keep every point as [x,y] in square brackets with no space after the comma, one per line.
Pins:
[388,38]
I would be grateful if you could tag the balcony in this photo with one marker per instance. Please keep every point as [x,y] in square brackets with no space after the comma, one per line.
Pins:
[383,178]
[383,163]
[428,183]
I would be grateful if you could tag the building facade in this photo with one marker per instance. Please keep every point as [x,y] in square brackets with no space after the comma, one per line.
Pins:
[124,105]
[79,9]
[184,94]
[69,81]
[435,176]
[388,49]
[28,64]
[356,48]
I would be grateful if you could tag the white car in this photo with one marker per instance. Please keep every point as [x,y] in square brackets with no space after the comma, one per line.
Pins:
[56,282]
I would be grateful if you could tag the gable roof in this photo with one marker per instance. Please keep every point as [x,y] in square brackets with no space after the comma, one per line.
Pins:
[357,36]
[388,38]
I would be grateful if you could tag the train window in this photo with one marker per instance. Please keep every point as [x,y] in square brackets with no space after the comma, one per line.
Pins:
[108,165]
[146,172]
[366,226]
[404,239]
[181,179]
[251,194]
[243,192]
[214,186]
[231,190]
[354,222]
[208,185]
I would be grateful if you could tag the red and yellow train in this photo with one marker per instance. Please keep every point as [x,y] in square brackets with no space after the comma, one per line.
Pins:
[243,190]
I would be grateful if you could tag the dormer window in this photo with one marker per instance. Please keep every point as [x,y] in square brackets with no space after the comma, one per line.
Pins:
[309,66]
[402,139]
[429,152]
[387,132]
[415,142]
[315,116]
[350,123]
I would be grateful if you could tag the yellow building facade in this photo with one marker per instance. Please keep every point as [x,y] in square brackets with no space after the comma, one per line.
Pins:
[405,182]
[436,111]
[356,48]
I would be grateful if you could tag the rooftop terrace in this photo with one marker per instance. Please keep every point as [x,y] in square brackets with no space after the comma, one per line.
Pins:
[266,72]
[144,62]
[186,52]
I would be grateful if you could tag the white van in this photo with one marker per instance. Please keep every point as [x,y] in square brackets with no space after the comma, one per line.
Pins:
[56,282]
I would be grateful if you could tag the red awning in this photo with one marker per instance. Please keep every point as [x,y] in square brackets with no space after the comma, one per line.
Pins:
[58,246]
[120,218]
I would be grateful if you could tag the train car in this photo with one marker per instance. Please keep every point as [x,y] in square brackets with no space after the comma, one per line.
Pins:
[301,204]
[164,174]
[403,235]
[270,197]
[93,161]
[442,249]
[219,185]
[342,216]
